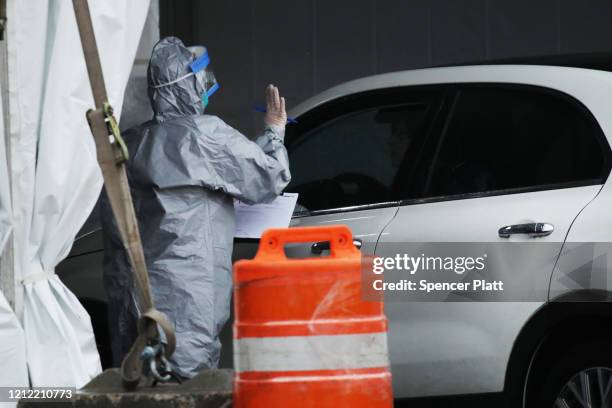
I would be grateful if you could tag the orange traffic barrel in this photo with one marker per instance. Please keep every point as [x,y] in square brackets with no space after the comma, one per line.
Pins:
[303,336]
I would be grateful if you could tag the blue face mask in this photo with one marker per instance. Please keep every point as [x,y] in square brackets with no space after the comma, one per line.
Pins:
[204,99]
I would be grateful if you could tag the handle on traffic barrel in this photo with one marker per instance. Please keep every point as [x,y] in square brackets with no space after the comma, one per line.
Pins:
[272,243]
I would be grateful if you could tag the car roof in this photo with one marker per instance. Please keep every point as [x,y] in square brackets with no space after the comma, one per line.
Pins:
[600,60]
[591,87]
[555,77]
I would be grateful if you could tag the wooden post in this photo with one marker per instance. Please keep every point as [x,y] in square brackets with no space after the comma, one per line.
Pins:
[7,267]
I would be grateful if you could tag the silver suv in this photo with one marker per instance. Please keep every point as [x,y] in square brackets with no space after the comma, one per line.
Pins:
[454,154]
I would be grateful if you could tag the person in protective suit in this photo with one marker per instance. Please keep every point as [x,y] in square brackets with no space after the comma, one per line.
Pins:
[185,169]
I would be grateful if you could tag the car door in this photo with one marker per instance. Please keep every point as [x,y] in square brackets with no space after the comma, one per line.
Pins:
[346,158]
[508,157]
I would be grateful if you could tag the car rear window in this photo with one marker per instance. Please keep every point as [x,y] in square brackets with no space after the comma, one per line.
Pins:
[500,139]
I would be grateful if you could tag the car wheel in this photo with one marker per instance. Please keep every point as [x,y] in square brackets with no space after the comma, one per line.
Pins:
[581,377]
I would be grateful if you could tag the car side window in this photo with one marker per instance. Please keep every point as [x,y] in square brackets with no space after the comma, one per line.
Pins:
[502,139]
[355,158]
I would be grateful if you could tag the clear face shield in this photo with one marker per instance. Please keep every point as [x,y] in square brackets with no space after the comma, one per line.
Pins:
[206,83]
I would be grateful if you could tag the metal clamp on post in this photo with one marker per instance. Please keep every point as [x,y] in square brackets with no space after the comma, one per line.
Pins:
[103,119]
[149,355]
[120,149]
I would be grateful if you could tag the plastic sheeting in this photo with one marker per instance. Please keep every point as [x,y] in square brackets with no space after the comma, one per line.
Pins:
[12,351]
[12,342]
[5,192]
[55,176]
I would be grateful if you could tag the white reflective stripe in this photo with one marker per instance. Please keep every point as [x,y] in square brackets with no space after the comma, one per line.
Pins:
[339,377]
[375,319]
[298,353]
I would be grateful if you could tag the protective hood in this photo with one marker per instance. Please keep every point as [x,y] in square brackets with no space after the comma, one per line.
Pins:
[169,61]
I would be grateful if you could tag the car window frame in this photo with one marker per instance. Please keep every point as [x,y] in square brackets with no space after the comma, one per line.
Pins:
[348,104]
[453,95]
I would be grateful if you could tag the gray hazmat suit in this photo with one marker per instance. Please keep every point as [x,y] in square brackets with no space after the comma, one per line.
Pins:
[184,170]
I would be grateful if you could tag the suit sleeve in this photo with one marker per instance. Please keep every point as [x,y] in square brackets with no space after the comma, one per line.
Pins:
[251,171]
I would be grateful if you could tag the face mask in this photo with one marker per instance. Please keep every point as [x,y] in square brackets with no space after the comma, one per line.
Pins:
[204,100]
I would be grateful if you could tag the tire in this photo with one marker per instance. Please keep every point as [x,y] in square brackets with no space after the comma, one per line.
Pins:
[586,367]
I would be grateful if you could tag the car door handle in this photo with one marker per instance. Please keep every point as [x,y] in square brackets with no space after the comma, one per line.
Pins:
[318,247]
[534,229]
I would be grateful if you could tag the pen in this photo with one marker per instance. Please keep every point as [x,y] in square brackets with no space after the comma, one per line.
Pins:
[263,110]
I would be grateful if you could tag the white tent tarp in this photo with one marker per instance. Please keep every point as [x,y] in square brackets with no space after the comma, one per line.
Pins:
[12,340]
[12,351]
[55,176]
[5,191]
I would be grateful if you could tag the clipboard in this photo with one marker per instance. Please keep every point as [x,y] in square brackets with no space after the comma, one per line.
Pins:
[253,220]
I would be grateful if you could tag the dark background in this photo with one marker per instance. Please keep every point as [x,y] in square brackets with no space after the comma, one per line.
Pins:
[307,46]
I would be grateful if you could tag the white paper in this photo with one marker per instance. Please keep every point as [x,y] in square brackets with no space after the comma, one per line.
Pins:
[253,220]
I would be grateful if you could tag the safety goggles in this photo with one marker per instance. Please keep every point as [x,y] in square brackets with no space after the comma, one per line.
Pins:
[200,67]
[206,83]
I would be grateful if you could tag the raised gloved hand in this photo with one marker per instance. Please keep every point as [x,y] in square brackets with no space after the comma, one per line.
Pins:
[276,116]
